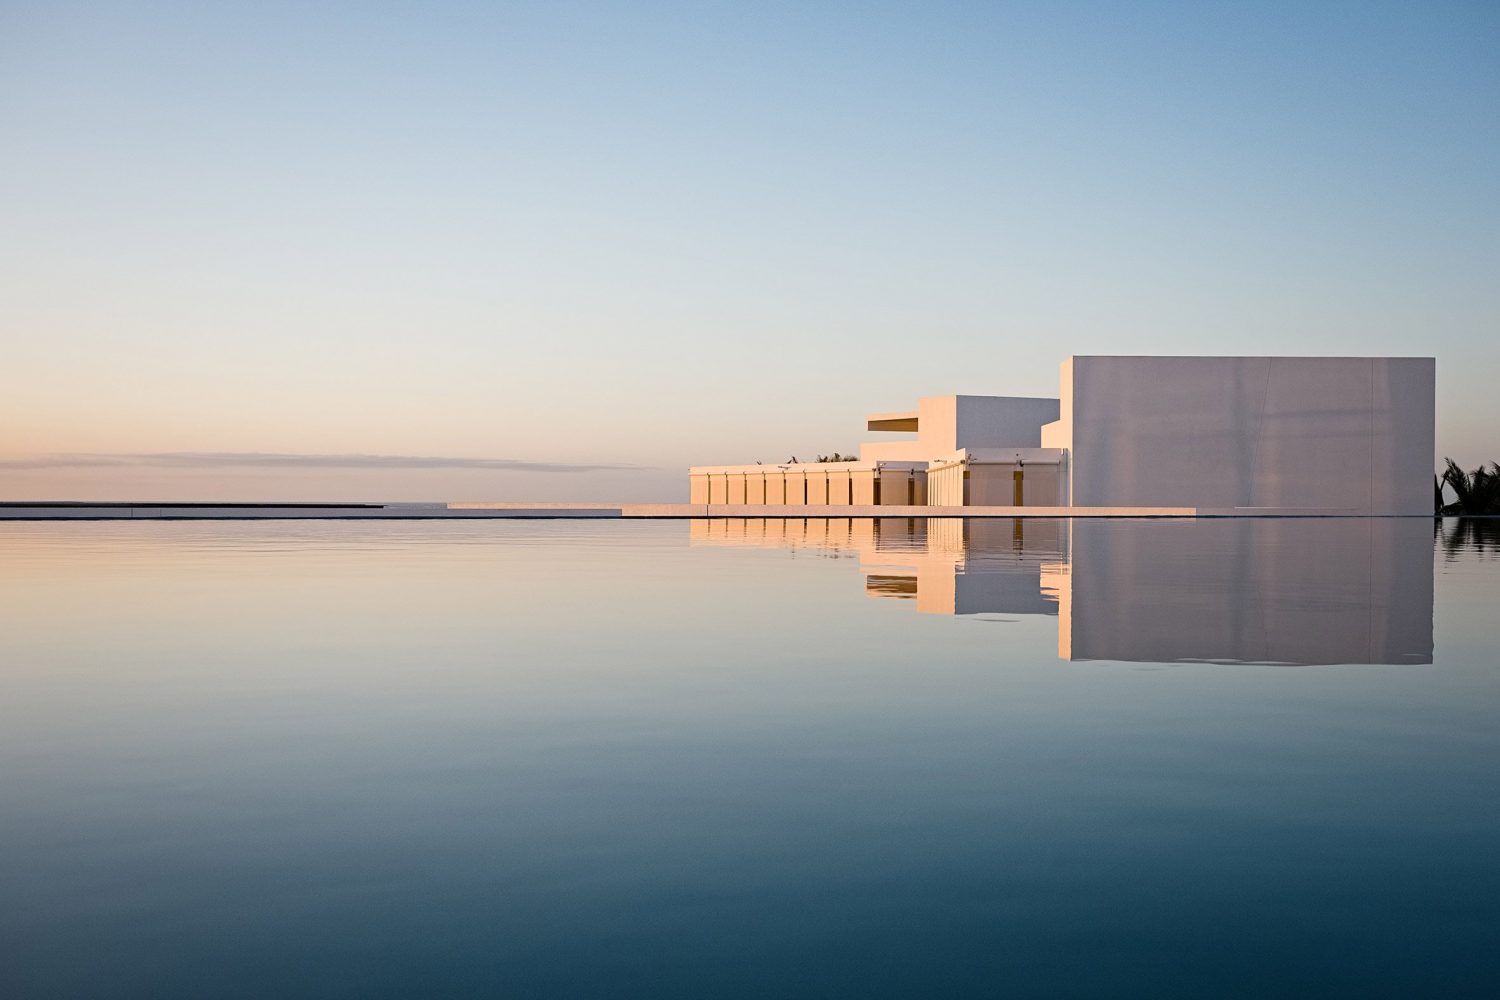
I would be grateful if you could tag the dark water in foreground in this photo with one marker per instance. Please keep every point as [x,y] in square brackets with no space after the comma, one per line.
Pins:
[749,759]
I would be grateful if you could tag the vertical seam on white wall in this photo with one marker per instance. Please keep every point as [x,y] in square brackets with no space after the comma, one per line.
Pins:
[1370,584]
[1260,427]
[1370,465]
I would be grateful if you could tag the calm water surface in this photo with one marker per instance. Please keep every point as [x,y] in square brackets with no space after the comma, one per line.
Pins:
[749,759]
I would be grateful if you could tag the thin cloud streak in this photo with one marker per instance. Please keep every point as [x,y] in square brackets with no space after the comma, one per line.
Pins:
[279,460]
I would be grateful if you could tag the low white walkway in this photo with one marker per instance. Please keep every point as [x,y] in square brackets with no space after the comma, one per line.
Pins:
[16,511]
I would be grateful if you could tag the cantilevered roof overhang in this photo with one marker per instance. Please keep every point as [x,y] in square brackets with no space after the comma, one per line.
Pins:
[891,421]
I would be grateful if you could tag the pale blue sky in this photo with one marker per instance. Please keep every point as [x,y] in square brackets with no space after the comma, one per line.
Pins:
[655,235]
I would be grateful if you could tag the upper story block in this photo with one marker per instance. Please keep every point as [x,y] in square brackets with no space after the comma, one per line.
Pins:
[944,424]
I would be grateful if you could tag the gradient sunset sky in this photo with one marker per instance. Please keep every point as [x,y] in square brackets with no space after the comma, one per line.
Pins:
[561,251]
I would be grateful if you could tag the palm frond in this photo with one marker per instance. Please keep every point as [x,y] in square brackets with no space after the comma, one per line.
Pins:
[1476,492]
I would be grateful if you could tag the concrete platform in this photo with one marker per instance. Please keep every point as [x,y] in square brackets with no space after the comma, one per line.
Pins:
[73,511]
[698,510]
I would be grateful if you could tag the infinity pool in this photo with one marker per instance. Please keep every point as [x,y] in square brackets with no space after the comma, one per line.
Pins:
[750,759]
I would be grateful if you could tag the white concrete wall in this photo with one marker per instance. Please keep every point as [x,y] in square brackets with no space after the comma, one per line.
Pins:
[817,486]
[894,451]
[903,486]
[945,485]
[1002,421]
[1341,434]
[838,486]
[994,485]
[795,487]
[835,483]
[985,477]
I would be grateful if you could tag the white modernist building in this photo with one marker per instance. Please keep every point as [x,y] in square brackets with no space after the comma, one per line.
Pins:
[1234,434]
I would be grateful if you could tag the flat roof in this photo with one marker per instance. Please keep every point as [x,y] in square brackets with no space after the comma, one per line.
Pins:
[872,466]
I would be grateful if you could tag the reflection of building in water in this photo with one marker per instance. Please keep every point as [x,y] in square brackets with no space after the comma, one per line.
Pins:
[973,566]
[947,565]
[1277,590]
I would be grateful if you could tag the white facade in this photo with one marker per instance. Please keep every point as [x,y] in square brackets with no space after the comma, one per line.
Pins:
[1218,435]
[1342,435]
[998,477]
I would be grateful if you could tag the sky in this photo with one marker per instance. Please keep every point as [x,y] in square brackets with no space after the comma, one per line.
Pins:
[562,251]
